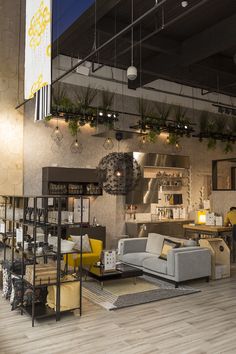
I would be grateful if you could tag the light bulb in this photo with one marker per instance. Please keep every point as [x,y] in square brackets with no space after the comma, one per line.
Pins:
[118,173]
[76,147]
[143,139]
[108,144]
[57,135]
[184,3]
[101,114]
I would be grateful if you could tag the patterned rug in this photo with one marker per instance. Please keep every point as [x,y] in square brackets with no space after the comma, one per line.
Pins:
[117,294]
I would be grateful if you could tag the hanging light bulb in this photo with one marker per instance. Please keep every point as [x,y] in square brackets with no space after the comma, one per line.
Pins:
[76,147]
[108,144]
[57,135]
[143,139]
[118,173]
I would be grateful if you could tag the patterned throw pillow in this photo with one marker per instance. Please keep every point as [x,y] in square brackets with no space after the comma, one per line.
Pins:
[86,246]
[167,246]
[16,298]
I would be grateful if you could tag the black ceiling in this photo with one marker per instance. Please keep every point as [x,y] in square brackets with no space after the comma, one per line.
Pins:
[194,45]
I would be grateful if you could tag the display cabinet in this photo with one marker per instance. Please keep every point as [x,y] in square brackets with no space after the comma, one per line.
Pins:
[31,235]
[70,181]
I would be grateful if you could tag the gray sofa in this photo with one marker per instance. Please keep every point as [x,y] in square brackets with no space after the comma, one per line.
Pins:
[182,264]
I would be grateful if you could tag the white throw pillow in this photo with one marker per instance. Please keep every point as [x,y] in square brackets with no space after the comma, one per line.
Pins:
[154,243]
[86,246]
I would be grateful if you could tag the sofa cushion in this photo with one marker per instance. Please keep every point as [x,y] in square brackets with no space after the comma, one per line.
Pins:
[86,246]
[155,264]
[154,243]
[168,245]
[135,259]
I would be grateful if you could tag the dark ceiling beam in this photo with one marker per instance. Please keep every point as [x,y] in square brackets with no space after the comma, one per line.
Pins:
[213,40]
[160,44]
[160,29]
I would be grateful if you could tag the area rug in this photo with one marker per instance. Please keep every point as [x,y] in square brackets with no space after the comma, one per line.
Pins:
[117,294]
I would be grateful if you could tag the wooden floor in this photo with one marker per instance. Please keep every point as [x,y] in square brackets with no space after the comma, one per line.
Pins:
[200,323]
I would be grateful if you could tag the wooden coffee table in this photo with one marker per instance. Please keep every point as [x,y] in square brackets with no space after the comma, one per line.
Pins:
[122,271]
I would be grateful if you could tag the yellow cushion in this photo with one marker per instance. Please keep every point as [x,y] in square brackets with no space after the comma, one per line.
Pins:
[87,258]
[69,295]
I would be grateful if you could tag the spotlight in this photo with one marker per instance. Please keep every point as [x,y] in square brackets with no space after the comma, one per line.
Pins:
[184,3]
[109,115]
[101,114]
[185,127]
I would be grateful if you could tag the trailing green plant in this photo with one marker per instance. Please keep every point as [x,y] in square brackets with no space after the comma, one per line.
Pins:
[152,137]
[228,147]
[211,143]
[73,126]
[173,139]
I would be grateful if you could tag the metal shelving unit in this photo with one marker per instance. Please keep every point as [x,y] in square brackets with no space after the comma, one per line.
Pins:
[37,310]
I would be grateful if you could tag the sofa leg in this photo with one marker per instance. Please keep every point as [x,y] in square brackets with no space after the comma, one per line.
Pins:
[176,285]
[207,279]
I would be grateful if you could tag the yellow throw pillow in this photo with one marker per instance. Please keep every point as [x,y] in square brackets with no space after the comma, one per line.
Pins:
[167,246]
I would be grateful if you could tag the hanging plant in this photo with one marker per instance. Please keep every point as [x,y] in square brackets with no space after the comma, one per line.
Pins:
[173,139]
[61,103]
[163,112]
[152,137]
[144,111]
[107,100]
[204,118]
[182,125]
[228,147]
[211,144]
[84,99]
[73,126]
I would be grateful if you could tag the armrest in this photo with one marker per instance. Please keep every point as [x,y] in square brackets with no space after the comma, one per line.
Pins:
[132,245]
[189,263]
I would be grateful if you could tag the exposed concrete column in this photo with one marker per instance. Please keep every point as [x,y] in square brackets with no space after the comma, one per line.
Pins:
[11,121]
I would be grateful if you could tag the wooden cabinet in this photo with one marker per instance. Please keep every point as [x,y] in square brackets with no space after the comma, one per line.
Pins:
[70,181]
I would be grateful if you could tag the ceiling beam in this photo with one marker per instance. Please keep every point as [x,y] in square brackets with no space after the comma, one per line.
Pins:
[213,40]
[160,44]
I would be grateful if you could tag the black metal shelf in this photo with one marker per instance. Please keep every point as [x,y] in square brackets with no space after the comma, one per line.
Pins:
[40,310]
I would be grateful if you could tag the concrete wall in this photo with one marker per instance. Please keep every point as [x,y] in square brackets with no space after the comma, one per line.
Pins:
[11,121]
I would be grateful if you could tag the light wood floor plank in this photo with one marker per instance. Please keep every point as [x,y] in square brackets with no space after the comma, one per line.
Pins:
[202,323]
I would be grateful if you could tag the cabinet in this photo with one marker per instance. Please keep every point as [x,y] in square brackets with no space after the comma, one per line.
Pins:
[70,181]
[21,216]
